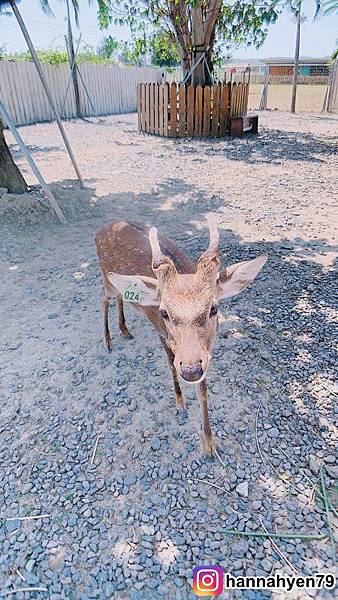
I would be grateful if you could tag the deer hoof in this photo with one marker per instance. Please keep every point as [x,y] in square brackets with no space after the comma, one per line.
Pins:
[180,404]
[208,446]
[126,334]
[107,344]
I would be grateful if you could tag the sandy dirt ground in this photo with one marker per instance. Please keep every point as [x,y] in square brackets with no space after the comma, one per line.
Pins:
[131,520]
[310,98]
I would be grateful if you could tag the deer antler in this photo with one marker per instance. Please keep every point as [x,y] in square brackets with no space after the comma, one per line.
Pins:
[208,263]
[214,235]
[162,265]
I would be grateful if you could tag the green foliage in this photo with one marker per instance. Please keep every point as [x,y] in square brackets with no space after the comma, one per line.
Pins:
[245,22]
[108,47]
[102,5]
[133,52]
[334,55]
[56,57]
[53,57]
[164,52]
[88,54]
[330,6]
[240,22]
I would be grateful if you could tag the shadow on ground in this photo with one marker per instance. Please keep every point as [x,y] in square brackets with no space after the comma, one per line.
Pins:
[271,146]
[138,503]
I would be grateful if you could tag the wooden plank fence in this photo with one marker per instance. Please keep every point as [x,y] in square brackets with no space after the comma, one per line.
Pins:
[112,90]
[178,111]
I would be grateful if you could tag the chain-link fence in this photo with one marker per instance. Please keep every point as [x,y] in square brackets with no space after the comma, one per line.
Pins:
[271,85]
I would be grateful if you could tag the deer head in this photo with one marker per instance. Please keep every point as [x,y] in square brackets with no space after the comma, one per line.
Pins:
[188,303]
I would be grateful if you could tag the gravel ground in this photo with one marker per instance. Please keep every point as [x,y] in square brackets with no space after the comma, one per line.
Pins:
[130,520]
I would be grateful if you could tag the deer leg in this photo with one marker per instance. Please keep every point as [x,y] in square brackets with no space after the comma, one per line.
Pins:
[202,394]
[106,333]
[178,393]
[122,322]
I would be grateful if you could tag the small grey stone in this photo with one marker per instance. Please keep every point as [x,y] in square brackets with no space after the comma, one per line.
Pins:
[155,443]
[30,565]
[30,578]
[13,525]
[163,472]
[130,479]
[273,433]
[332,471]
[331,459]
[72,520]
[266,565]
[314,466]
[239,549]
[287,245]
[243,489]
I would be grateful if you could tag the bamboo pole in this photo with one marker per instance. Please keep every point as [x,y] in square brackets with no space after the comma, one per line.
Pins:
[32,164]
[45,87]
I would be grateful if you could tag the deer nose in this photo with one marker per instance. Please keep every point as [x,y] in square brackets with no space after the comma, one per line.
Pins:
[191,372]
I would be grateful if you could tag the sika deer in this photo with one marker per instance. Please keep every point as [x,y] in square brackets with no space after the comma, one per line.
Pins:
[178,297]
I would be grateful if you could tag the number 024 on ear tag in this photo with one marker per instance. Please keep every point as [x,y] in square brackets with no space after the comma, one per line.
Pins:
[132,293]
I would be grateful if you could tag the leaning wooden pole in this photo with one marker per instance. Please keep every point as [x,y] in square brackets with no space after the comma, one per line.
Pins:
[31,163]
[46,88]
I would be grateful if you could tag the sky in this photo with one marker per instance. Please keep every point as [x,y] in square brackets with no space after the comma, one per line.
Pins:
[318,38]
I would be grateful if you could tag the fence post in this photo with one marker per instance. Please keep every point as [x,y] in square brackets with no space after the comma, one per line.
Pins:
[263,105]
[330,99]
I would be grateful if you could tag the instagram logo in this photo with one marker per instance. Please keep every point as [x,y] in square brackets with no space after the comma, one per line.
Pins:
[208,581]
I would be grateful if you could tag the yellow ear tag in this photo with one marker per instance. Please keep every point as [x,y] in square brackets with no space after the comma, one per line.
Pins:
[132,293]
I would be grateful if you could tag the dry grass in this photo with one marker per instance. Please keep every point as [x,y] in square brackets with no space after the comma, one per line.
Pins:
[309,97]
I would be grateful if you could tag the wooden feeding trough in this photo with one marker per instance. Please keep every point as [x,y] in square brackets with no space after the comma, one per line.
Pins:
[172,110]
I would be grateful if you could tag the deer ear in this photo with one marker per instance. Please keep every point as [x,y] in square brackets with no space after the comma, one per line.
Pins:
[136,289]
[235,278]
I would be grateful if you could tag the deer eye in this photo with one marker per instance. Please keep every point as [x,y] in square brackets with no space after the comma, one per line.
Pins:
[164,314]
[213,310]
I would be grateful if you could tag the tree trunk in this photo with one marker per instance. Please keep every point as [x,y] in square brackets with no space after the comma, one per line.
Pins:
[72,62]
[10,176]
[200,74]
[296,61]
[196,48]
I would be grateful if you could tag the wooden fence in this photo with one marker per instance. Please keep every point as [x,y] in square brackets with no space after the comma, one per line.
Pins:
[112,90]
[178,111]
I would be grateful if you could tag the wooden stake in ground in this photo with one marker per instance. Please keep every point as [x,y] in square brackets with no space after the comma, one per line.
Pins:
[296,61]
[32,164]
[45,87]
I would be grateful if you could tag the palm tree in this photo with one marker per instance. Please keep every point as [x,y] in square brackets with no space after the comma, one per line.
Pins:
[10,176]
[73,6]
[330,6]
